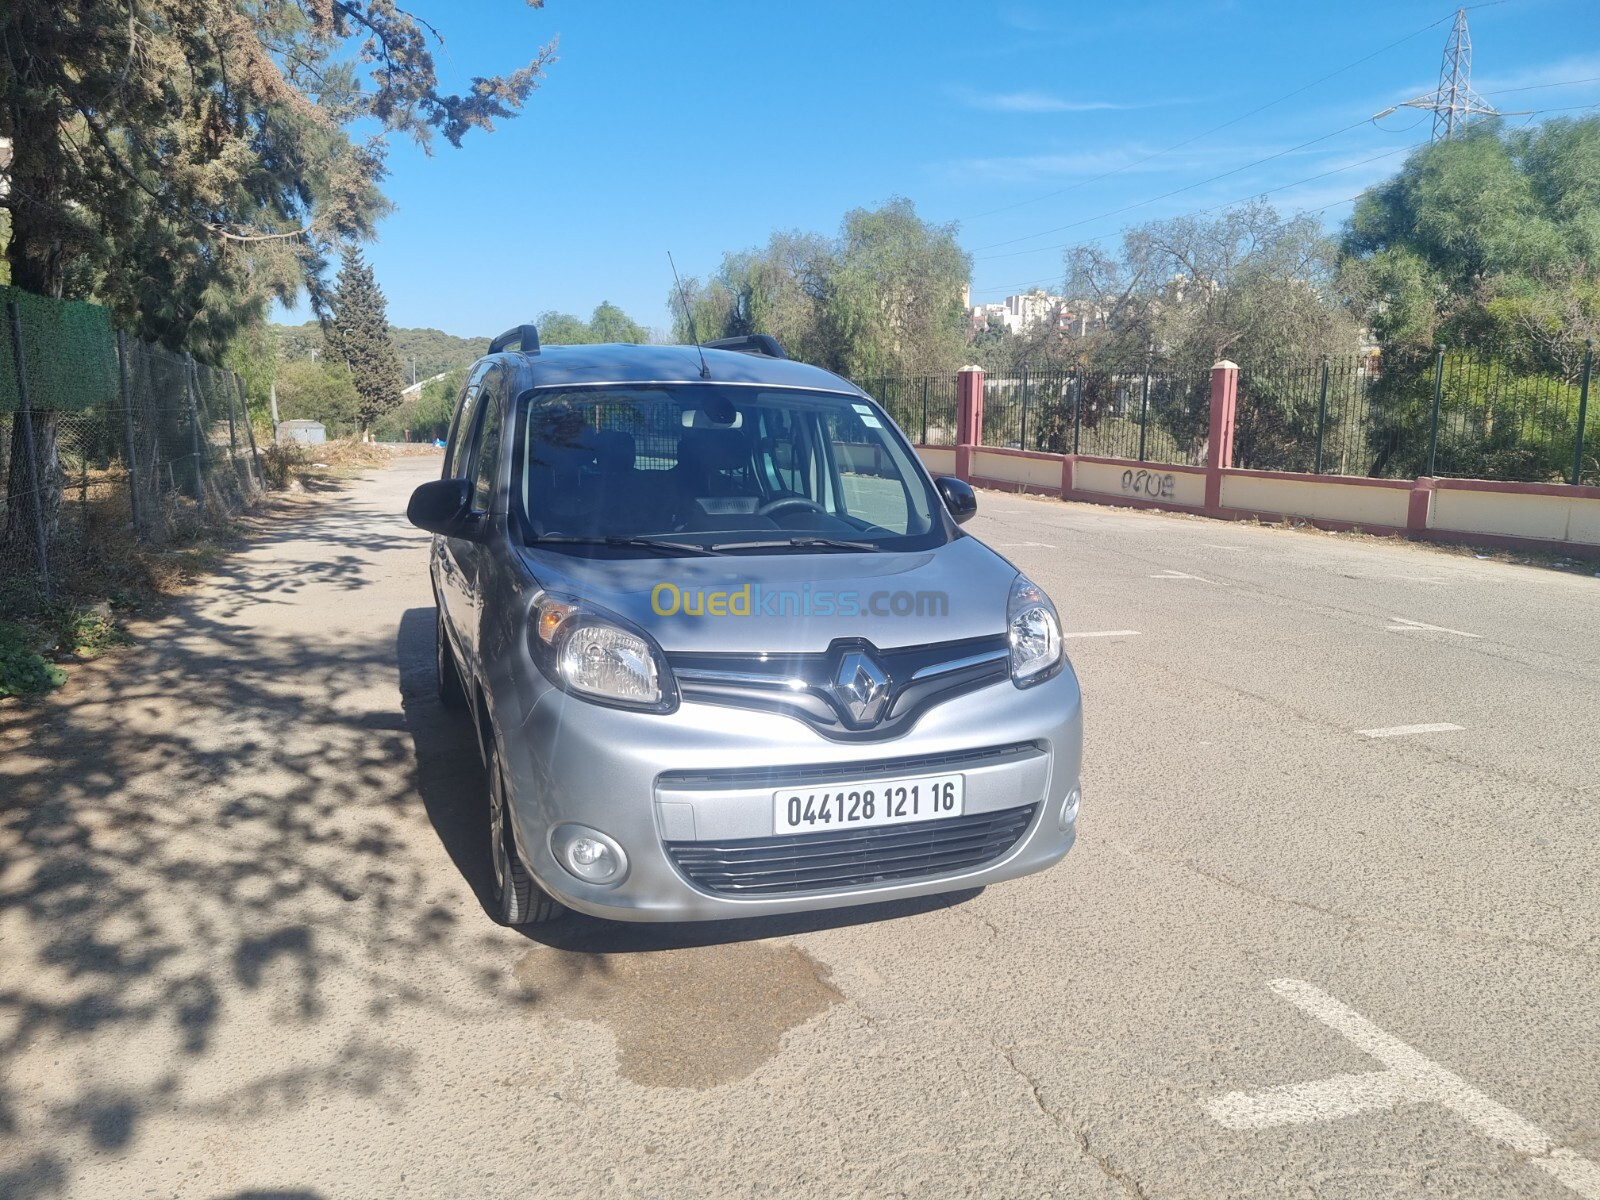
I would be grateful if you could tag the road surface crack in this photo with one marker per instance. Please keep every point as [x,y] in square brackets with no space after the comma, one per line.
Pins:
[1352,921]
[1079,1135]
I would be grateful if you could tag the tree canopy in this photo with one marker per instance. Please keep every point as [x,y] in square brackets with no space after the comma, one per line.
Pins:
[607,323]
[184,161]
[1489,237]
[881,298]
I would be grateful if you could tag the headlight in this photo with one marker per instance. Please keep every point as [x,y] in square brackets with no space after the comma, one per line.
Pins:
[1034,631]
[597,655]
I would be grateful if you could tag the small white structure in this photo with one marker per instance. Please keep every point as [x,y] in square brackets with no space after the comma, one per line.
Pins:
[307,433]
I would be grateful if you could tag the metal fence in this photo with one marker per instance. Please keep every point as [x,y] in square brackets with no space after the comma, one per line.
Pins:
[155,446]
[924,406]
[1144,414]
[1486,413]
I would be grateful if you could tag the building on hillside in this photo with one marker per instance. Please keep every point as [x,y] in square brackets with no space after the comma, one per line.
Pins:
[1032,310]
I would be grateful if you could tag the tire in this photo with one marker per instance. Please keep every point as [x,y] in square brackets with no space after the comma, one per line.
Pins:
[518,900]
[451,693]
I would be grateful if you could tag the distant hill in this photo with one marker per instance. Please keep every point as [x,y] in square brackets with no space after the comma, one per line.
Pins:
[428,350]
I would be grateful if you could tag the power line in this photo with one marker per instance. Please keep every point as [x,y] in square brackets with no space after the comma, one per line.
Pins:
[1176,191]
[1230,203]
[1453,103]
[1215,128]
[1269,191]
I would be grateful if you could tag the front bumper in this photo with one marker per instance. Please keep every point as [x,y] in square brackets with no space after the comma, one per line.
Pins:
[707,773]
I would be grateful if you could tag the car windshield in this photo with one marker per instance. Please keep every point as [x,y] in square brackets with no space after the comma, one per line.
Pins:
[691,468]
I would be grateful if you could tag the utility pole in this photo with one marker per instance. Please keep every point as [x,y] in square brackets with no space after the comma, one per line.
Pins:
[1453,103]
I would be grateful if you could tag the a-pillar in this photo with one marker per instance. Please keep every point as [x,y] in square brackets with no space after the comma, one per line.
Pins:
[1219,450]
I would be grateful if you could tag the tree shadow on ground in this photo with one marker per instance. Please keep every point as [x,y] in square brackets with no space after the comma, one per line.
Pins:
[203,850]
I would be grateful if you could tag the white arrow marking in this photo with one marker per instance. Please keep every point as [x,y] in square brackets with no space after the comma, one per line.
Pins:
[1409,1079]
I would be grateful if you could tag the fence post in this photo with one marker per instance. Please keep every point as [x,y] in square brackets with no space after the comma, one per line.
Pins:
[1144,409]
[1219,449]
[1022,426]
[1583,411]
[250,434]
[25,415]
[194,433]
[1077,408]
[128,442]
[1322,416]
[969,416]
[1438,391]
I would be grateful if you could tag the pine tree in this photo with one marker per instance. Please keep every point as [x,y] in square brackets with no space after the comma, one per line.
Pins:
[358,333]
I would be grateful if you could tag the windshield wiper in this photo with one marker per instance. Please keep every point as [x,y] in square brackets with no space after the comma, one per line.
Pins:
[804,542]
[639,543]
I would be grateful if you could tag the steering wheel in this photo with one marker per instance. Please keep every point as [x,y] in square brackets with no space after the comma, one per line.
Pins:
[783,502]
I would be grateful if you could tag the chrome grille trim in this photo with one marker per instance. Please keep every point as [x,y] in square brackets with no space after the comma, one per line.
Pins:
[788,864]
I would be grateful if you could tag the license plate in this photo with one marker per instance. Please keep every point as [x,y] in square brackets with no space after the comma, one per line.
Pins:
[858,805]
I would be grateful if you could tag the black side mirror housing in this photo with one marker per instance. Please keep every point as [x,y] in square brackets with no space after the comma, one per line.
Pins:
[958,498]
[441,506]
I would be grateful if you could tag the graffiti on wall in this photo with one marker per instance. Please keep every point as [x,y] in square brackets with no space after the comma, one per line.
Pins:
[1149,484]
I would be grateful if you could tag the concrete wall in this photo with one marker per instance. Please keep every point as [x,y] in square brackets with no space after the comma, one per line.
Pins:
[1377,502]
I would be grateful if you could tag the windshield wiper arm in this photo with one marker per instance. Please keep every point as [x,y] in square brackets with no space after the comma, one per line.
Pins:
[640,543]
[803,542]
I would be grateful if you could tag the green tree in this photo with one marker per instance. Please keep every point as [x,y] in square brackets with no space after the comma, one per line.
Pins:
[319,391]
[357,331]
[881,298]
[608,323]
[185,161]
[1488,244]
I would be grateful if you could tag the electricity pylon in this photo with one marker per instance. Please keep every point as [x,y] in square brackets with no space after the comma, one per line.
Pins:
[1453,103]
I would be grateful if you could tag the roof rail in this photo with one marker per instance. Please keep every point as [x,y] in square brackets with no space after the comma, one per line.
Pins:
[523,337]
[763,344]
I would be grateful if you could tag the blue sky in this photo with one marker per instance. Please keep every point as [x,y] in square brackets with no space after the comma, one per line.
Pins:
[700,128]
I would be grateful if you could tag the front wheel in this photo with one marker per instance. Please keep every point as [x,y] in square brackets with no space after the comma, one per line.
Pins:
[518,899]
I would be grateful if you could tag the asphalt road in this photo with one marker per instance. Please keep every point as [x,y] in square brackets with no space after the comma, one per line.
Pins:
[243,949]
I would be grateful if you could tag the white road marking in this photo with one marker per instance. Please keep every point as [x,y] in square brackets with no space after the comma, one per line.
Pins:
[1215,546]
[1041,545]
[1406,625]
[1408,730]
[1171,574]
[1104,633]
[1409,1079]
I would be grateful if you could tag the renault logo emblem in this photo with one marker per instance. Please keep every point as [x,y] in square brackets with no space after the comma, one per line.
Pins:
[861,687]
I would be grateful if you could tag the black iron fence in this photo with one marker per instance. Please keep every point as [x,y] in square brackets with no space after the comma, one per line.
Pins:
[136,442]
[1148,415]
[924,406]
[1486,413]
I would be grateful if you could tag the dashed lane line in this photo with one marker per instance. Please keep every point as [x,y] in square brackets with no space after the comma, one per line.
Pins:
[1408,730]
[1406,625]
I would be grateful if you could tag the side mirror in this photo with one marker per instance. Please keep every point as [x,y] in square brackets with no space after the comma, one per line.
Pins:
[958,498]
[441,506]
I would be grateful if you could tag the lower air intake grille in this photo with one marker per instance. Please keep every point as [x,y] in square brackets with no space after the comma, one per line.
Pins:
[816,862]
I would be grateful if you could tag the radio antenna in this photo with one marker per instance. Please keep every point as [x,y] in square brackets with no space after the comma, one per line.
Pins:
[688,313]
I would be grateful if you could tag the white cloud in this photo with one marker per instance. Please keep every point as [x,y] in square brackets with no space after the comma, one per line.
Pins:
[1047,102]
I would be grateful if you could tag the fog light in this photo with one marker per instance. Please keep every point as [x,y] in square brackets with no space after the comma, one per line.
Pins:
[1069,809]
[588,854]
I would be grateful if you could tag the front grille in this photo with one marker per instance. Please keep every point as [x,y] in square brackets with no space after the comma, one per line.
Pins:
[816,862]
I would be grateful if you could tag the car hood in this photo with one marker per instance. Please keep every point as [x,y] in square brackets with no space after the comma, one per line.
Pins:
[956,591]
